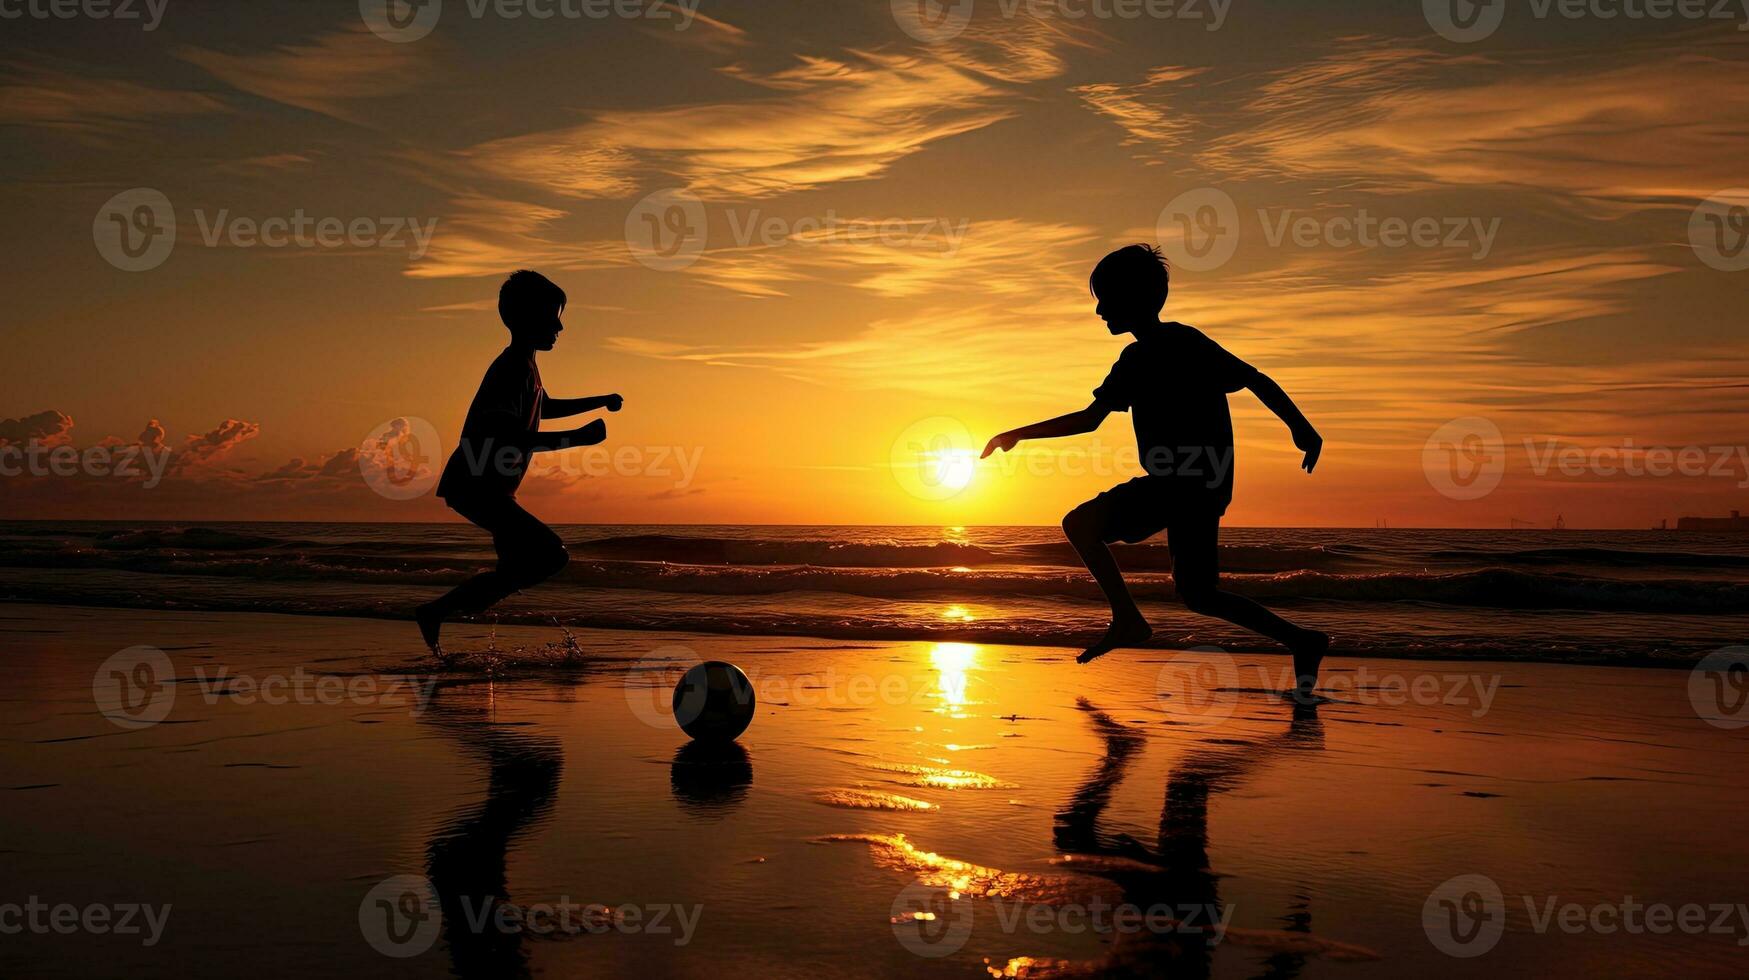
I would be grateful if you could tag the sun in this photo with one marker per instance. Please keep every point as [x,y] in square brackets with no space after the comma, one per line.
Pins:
[953,469]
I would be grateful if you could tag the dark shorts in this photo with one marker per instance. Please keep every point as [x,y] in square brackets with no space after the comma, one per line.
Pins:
[518,536]
[1135,511]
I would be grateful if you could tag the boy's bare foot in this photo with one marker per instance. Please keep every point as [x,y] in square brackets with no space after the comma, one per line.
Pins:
[430,622]
[1308,654]
[1123,633]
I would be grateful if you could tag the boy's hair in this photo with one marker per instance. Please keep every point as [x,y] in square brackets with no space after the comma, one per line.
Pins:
[1137,271]
[525,295]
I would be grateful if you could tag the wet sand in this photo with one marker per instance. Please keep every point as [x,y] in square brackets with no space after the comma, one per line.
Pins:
[933,809]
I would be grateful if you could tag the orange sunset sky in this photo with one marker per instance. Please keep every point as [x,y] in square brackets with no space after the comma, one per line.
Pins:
[896,232]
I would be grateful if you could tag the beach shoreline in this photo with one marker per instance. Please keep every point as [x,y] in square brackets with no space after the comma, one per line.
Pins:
[305,760]
[1600,598]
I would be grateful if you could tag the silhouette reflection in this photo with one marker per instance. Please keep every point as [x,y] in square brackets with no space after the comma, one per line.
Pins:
[466,857]
[710,779]
[1175,871]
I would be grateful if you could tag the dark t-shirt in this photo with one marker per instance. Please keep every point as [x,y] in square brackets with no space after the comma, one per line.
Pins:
[1174,383]
[490,457]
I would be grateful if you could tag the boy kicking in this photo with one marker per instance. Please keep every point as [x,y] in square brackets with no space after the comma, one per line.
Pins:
[1174,382]
[501,434]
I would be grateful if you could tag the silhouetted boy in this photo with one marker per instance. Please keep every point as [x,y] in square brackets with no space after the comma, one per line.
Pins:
[1174,381]
[500,435]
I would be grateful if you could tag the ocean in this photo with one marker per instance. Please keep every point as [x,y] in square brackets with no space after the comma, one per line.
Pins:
[1603,597]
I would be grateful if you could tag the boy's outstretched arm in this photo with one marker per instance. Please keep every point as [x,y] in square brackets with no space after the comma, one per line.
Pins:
[559,408]
[1306,438]
[549,442]
[1072,424]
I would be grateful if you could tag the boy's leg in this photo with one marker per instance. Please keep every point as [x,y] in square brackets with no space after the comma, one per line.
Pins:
[1090,529]
[528,552]
[1195,544]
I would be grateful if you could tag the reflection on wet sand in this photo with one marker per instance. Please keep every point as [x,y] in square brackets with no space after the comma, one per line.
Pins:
[466,857]
[1174,873]
[710,779]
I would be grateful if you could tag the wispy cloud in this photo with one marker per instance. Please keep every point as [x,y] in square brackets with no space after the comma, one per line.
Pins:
[840,117]
[837,119]
[904,258]
[1144,110]
[89,106]
[328,75]
[486,236]
[1649,124]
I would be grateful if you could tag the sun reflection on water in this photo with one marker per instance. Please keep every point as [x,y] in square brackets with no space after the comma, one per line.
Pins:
[952,662]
